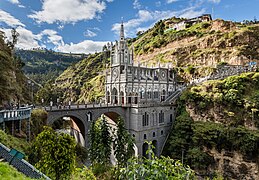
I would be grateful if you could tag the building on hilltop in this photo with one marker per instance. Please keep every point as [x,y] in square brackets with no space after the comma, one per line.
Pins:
[142,91]
[188,23]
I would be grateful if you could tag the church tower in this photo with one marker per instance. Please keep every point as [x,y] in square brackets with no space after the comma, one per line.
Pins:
[121,54]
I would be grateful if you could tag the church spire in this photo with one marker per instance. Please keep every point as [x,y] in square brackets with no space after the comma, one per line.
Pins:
[122,31]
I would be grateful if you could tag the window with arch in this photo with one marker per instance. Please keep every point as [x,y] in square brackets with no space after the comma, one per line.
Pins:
[108,97]
[155,94]
[142,93]
[171,118]
[161,117]
[154,134]
[162,132]
[145,136]
[163,95]
[145,119]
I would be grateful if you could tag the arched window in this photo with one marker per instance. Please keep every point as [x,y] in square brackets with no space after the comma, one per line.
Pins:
[129,98]
[122,97]
[142,93]
[108,98]
[114,96]
[145,119]
[161,117]
[145,136]
[136,99]
[163,95]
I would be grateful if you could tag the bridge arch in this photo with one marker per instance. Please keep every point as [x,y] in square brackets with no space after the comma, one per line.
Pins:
[79,120]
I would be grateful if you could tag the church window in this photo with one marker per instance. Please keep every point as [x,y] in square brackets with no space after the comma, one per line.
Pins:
[161,117]
[162,132]
[145,119]
[171,118]
[154,134]
[155,94]
[145,136]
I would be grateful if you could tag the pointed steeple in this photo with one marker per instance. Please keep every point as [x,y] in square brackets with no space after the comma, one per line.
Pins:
[122,31]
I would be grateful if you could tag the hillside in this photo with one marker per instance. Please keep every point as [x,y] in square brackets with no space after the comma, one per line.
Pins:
[206,44]
[43,65]
[81,82]
[7,172]
[13,87]
[217,127]
[194,52]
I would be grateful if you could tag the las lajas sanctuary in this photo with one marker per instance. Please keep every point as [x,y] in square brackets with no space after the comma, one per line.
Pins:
[146,93]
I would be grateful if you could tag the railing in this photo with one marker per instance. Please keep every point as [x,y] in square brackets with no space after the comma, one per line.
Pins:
[12,115]
[20,164]
[81,106]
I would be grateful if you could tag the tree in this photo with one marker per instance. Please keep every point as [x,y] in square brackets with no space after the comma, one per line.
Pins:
[105,141]
[93,136]
[100,142]
[155,168]
[56,153]
[123,144]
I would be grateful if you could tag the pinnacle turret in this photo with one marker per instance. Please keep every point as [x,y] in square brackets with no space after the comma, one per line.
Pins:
[122,32]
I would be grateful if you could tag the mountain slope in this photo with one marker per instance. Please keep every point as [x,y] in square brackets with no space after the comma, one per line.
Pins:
[206,43]
[44,65]
[217,127]
[13,87]
[81,82]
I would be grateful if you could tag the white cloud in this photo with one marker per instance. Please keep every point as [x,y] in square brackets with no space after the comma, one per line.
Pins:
[87,46]
[143,16]
[171,1]
[215,1]
[132,26]
[68,11]
[136,4]
[192,13]
[52,37]
[26,39]
[89,33]
[17,3]
[9,20]
[14,1]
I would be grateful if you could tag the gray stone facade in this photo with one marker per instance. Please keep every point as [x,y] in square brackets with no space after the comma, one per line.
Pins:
[143,90]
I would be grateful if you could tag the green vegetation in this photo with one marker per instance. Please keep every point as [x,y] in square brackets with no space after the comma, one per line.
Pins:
[82,82]
[7,172]
[13,82]
[123,148]
[13,142]
[155,168]
[54,154]
[234,103]
[43,65]
[156,38]
[38,121]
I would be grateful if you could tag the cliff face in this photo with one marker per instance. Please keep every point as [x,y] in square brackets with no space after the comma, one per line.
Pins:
[204,44]
[217,126]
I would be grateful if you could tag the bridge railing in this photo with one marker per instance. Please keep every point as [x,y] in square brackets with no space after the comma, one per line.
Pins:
[17,114]
[20,164]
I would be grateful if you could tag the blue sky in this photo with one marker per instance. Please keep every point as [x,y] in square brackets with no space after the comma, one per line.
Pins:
[84,26]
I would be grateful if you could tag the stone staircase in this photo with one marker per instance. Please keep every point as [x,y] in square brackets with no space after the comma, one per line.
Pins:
[20,164]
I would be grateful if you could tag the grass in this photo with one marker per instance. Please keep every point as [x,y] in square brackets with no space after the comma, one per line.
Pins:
[7,172]
[13,142]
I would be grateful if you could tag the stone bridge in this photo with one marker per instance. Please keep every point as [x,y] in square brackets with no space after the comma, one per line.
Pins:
[83,115]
